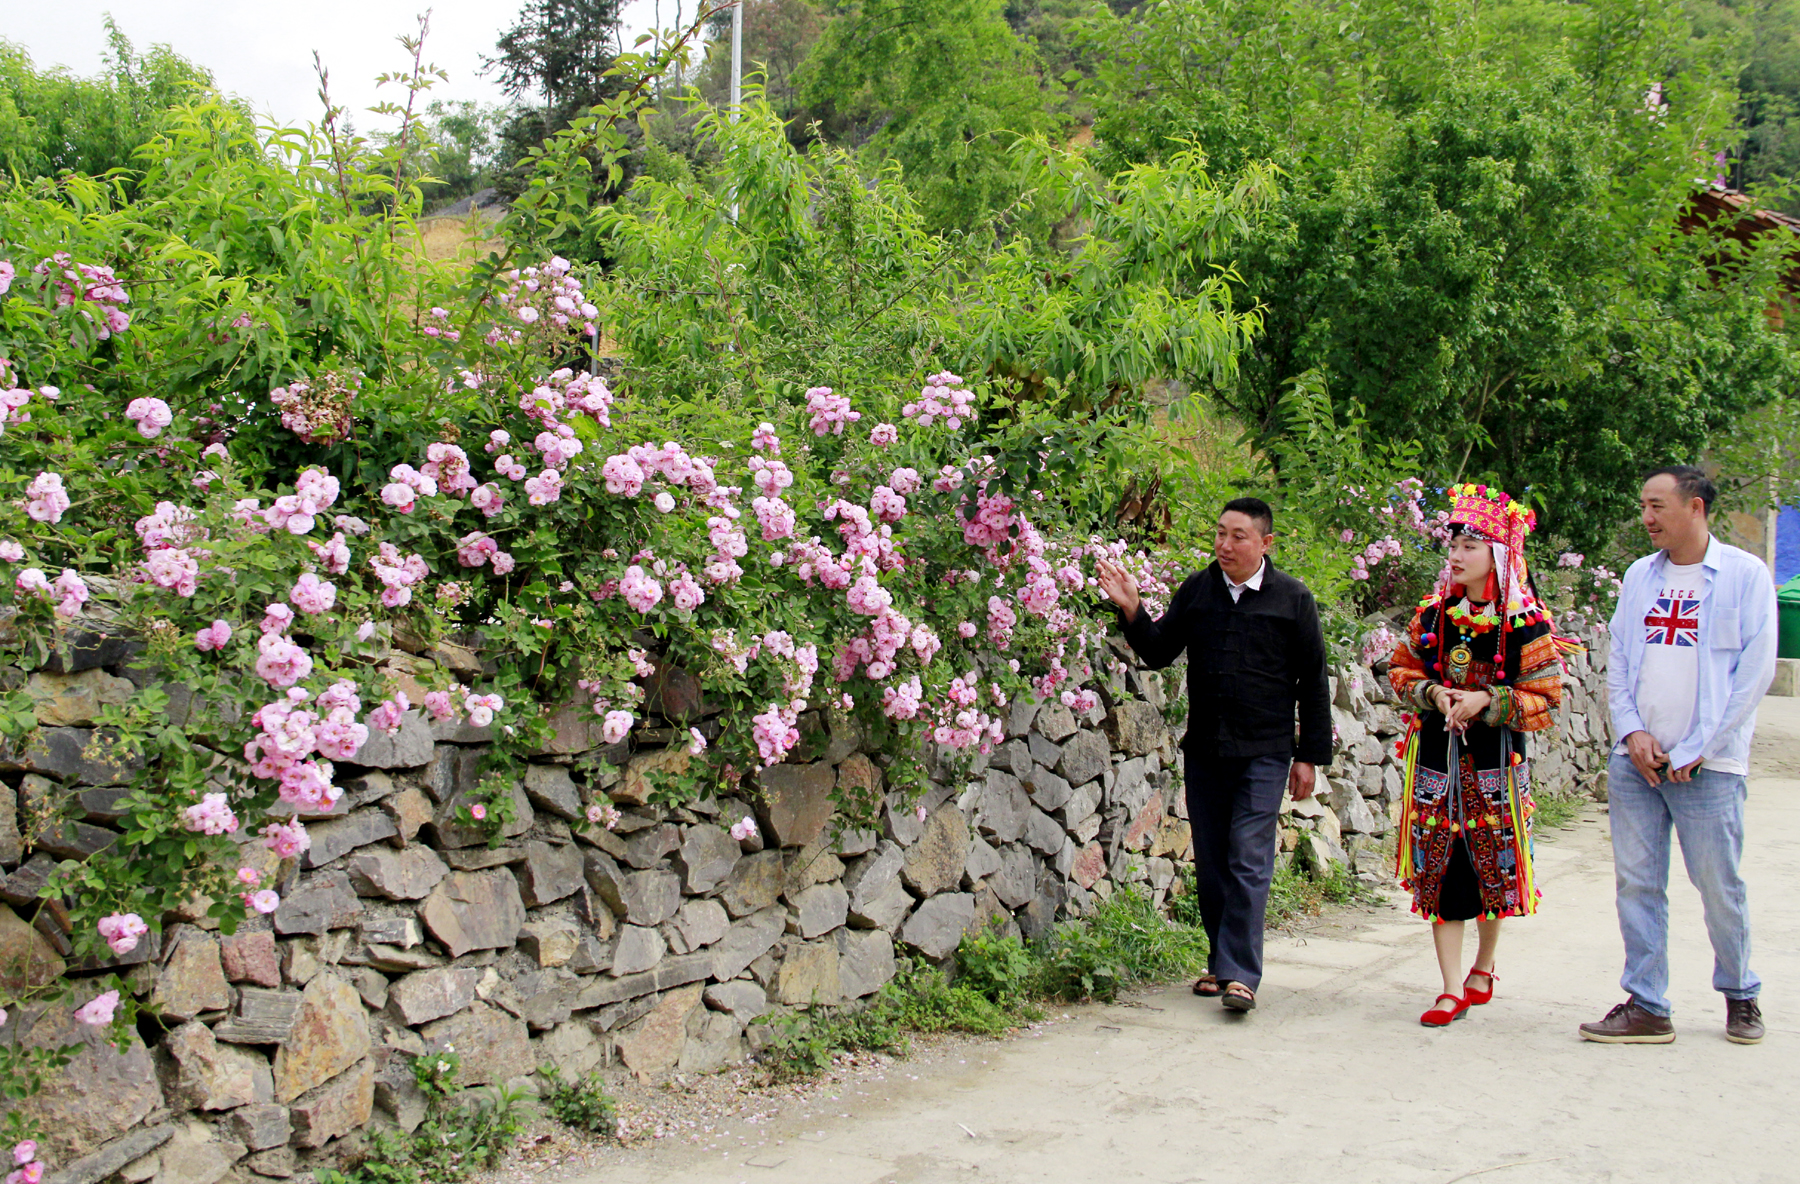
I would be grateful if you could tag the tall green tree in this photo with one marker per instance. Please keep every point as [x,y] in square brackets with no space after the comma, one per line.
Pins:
[53,122]
[555,61]
[942,87]
[1477,246]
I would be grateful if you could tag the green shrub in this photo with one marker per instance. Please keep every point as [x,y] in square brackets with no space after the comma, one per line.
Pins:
[583,1105]
[462,1131]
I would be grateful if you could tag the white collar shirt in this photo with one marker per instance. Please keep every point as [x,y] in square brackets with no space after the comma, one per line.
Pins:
[1254,582]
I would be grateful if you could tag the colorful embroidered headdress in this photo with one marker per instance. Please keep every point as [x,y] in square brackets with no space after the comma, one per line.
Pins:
[1495,518]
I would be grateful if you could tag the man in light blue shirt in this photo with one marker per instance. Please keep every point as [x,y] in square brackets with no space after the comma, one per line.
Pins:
[1693,651]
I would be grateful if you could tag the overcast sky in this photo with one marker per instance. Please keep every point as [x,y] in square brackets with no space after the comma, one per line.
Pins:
[262,50]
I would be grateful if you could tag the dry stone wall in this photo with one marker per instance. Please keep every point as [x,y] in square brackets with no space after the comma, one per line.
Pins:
[652,947]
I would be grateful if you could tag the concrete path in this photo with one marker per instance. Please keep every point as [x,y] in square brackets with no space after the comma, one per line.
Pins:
[1333,1079]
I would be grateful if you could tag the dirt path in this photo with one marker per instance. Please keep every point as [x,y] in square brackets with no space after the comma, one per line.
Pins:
[1334,1080]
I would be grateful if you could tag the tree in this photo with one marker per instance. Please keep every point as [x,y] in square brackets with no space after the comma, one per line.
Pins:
[778,34]
[52,122]
[555,63]
[1477,248]
[942,87]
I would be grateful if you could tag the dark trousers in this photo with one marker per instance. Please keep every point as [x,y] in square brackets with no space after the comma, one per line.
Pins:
[1233,806]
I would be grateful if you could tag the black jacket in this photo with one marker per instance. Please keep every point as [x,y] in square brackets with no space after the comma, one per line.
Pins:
[1249,665]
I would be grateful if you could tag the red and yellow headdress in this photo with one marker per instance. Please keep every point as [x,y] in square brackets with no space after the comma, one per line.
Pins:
[1492,516]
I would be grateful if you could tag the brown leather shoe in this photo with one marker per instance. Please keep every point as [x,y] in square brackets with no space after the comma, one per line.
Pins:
[1743,1021]
[1630,1024]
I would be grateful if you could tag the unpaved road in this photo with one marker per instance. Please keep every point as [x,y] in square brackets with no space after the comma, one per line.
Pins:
[1333,1079]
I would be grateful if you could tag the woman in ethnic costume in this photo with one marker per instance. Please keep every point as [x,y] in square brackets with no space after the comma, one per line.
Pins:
[1481,664]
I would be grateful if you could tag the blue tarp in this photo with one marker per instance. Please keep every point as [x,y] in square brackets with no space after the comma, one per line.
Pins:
[1787,544]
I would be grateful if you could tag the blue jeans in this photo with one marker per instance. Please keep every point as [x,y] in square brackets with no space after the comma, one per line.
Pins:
[1234,806]
[1708,815]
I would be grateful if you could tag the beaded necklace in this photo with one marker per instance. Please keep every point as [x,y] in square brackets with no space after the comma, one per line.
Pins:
[1469,625]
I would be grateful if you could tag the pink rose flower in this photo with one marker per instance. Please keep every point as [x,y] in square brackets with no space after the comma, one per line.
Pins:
[98,1010]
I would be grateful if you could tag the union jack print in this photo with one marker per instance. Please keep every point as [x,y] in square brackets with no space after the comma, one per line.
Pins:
[1672,621]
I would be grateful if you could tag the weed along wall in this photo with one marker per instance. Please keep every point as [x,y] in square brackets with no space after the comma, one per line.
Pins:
[652,946]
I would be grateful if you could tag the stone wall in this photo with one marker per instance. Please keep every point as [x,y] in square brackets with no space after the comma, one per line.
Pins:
[651,947]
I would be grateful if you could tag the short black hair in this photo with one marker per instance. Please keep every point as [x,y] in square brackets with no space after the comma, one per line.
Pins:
[1690,482]
[1255,509]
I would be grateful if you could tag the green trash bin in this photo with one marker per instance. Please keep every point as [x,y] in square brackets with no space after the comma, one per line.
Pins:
[1787,606]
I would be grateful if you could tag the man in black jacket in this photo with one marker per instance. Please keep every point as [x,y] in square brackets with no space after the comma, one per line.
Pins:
[1255,654]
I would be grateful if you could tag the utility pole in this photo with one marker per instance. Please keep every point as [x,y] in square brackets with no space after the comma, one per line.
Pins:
[737,79]
[737,58]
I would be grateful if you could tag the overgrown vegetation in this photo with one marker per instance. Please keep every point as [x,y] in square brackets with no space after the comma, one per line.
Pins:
[1557,810]
[582,1104]
[997,982]
[463,1130]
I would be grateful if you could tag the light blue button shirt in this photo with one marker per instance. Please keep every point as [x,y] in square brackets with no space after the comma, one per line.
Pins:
[1737,652]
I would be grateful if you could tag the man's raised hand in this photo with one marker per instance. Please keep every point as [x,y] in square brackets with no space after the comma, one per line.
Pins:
[1119,587]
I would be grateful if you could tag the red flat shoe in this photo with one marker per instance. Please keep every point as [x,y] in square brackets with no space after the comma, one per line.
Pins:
[1439,1017]
[1476,998]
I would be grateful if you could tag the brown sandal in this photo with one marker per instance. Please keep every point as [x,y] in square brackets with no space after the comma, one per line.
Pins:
[1238,997]
[1208,985]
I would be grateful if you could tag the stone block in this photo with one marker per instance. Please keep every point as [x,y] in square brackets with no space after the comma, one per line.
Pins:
[196,1154]
[1141,830]
[1090,865]
[796,802]
[452,833]
[859,779]
[400,932]
[902,822]
[551,789]
[12,843]
[27,959]
[937,926]
[812,864]
[654,1044]
[754,884]
[323,902]
[706,856]
[199,1073]
[935,863]
[820,909]
[409,809]
[1084,757]
[1135,728]
[76,755]
[330,1033]
[865,961]
[474,911]
[1039,915]
[261,1126]
[1048,790]
[407,874]
[550,872]
[192,977]
[262,1017]
[116,1157]
[1017,877]
[638,949]
[868,876]
[669,973]
[1054,722]
[408,748]
[1042,833]
[248,956]
[745,942]
[65,700]
[428,995]
[335,1108]
[743,999]
[98,1095]
[646,770]
[494,1046]
[701,923]
[647,846]
[885,910]
[982,862]
[809,975]
[340,836]
[1001,807]
[1083,801]
[552,942]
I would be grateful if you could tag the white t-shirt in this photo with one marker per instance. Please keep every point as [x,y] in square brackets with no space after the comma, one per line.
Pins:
[1668,690]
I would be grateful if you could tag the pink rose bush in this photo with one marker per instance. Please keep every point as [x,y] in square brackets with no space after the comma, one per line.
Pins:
[903,575]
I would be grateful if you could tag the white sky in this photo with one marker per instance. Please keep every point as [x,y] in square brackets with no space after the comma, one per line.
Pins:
[261,50]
